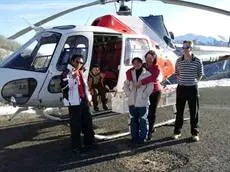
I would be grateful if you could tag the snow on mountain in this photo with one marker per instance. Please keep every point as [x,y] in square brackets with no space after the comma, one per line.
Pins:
[216,40]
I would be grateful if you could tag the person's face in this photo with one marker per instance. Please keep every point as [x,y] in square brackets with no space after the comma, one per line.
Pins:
[149,59]
[187,48]
[78,63]
[137,64]
[96,70]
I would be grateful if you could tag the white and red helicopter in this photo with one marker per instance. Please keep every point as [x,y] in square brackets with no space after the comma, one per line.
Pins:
[31,75]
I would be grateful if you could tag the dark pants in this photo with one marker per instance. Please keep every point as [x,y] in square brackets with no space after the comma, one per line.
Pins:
[139,123]
[81,121]
[154,99]
[190,94]
[101,92]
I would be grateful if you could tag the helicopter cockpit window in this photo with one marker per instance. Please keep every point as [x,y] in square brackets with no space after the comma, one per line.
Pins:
[36,55]
[135,47]
[73,45]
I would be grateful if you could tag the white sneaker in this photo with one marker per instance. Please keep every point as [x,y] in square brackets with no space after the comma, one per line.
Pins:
[176,136]
[195,138]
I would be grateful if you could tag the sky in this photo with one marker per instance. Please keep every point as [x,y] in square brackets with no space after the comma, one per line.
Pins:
[179,20]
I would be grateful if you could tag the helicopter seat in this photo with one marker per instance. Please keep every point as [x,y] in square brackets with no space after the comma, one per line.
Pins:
[110,80]
[64,60]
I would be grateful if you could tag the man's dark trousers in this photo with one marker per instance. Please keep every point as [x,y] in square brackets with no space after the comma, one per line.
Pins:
[190,94]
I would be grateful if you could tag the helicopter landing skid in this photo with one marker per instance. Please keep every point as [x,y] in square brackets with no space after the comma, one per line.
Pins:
[19,110]
[115,136]
[59,115]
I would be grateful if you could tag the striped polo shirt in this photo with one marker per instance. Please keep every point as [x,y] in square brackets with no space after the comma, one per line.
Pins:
[188,71]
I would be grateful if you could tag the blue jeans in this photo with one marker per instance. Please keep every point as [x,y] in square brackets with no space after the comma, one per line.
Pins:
[139,124]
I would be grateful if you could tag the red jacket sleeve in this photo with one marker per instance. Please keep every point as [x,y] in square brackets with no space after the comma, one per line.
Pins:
[129,74]
[155,71]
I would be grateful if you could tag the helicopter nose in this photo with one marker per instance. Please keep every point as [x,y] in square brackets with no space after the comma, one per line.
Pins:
[17,86]
[6,77]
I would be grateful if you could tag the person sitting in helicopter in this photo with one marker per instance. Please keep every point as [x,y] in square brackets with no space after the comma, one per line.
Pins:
[97,87]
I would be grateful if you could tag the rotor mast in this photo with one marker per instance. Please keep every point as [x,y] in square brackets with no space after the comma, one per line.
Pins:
[123,9]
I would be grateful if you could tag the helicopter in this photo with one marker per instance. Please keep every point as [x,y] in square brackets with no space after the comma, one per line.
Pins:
[31,75]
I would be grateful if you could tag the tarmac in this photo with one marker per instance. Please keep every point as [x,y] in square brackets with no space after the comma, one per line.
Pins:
[38,144]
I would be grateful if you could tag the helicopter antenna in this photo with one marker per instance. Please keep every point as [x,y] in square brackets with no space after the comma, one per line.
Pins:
[115,6]
[87,20]
[131,7]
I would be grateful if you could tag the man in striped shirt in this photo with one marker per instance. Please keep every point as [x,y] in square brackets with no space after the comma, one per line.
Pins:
[189,70]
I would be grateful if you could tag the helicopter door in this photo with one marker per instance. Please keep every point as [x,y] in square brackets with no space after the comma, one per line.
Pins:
[133,46]
[50,94]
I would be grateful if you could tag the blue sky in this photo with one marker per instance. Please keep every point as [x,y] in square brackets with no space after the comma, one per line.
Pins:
[180,20]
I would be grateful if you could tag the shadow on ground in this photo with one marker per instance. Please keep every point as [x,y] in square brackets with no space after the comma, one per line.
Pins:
[31,147]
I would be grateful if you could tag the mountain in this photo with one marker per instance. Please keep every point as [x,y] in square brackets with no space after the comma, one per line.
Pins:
[7,47]
[203,40]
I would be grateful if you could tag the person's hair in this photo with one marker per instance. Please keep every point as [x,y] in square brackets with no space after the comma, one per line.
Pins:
[152,53]
[138,59]
[76,56]
[95,66]
[188,42]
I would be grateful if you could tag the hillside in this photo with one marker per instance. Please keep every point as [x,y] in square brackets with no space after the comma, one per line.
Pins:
[7,47]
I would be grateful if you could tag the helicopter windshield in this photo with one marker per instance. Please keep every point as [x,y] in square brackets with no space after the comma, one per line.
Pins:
[36,54]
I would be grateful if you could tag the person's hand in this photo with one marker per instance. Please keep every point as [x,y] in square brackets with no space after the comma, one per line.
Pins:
[91,92]
[138,85]
[74,74]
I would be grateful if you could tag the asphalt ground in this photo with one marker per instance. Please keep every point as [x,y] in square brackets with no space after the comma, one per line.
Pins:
[37,144]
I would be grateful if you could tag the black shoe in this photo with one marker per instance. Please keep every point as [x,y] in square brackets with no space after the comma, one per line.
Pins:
[141,142]
[149,137]
[133,144]
[153,130]
[77,152]
[80,153]
[91,147]
[89,142]
[105,107]
[96,109]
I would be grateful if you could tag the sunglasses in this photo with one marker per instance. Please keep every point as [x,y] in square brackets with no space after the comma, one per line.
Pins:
[186,47]
[79,62]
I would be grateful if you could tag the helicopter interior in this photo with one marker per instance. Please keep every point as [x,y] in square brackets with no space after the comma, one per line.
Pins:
[77,44]
[107,54]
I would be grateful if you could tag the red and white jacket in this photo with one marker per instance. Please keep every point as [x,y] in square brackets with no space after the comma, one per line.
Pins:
[69,85]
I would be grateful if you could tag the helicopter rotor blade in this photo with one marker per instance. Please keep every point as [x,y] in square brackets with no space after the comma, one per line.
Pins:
[50,18]
[173,2]
[197,6]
